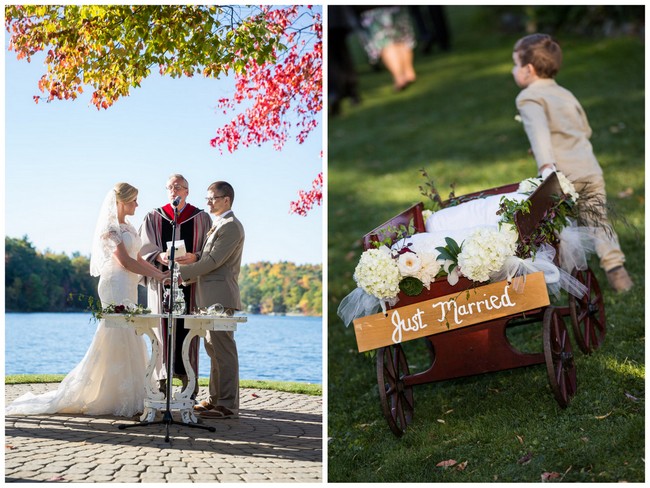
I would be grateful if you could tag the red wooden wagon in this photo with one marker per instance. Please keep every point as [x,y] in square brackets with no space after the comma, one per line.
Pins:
[484,346]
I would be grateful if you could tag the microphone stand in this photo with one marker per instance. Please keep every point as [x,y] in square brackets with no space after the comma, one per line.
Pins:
[167,419]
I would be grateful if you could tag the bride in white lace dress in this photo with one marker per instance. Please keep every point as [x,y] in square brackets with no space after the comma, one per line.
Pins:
[109,380]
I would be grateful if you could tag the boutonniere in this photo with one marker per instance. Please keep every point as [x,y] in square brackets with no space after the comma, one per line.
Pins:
[217,225]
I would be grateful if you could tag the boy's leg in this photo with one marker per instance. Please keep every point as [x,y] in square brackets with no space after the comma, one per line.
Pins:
[606,242]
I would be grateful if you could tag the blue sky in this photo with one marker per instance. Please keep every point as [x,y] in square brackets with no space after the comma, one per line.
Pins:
[62,157]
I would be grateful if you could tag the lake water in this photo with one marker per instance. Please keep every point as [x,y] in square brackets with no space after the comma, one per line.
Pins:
[269,347]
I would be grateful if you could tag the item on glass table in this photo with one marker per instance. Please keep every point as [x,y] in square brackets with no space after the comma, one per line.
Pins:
[178,302]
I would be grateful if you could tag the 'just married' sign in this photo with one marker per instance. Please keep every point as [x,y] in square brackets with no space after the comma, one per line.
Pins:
[449,312]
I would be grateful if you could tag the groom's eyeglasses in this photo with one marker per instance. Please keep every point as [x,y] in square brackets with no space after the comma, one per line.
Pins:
[213,199]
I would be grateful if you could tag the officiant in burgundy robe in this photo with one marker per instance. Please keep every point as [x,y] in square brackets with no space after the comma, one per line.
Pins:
[156,231]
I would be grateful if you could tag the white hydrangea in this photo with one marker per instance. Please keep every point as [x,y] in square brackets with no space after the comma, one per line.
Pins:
[529,185]
[486,250]
[378,274]
[567,186]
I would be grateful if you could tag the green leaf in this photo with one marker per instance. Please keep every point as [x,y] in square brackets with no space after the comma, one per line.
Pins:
[445,254]
[453,246]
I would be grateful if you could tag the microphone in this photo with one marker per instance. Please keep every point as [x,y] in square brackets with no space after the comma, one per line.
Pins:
[176,201]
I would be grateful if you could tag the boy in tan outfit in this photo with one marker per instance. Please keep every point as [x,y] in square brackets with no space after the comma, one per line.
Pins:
[558,131]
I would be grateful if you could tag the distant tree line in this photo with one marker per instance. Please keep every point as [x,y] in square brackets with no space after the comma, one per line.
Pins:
[586,20]
[42,282]
[282,288]
[49,282]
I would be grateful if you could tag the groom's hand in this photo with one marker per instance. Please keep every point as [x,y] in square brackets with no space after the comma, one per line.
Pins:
[188,258]
[162,258]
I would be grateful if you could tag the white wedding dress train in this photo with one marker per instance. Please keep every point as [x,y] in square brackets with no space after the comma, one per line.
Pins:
[109,380]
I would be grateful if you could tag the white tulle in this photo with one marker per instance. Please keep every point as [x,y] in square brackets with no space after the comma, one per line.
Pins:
[576,244]
[107,235]
[515,270]
[109,380]
[358,304]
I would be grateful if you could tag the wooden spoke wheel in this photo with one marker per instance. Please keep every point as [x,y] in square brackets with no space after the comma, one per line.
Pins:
[588,313]
[558,355]
[396,398]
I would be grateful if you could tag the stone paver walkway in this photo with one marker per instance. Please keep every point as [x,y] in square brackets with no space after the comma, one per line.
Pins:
[277,438]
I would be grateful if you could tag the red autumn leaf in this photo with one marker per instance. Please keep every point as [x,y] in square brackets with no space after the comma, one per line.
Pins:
[550,476]
[525,459]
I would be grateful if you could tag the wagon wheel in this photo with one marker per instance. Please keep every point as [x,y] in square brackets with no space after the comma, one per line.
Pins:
[560,365]
[588,313]
[396,398]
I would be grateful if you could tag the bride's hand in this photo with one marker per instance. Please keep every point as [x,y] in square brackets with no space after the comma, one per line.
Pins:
[164,277]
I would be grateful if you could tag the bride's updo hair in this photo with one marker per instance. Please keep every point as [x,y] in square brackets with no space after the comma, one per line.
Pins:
[125,193]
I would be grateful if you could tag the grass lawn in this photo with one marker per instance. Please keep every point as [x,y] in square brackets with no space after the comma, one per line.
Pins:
[457,121]
[286,386]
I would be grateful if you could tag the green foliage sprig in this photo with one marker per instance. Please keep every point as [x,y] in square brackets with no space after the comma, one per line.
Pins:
[432,194]
[129,311]
[392,234]
[547,229]
[97,312]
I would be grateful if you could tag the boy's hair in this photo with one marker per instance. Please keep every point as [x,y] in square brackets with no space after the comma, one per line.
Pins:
[542,51]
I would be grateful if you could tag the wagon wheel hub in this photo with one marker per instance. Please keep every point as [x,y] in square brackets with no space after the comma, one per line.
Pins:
[566,357]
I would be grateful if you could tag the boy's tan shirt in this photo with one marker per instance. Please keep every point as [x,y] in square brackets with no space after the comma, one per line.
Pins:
[557,129]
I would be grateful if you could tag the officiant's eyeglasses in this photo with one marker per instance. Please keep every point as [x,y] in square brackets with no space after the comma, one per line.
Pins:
[175,187]
[213,199]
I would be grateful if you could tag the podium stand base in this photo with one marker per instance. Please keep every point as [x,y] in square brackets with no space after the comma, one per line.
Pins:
[167,420]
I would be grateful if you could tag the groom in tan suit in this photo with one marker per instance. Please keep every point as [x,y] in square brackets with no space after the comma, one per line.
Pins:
[216,271]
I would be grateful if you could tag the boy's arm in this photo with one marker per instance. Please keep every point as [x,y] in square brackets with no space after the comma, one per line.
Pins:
[538,132]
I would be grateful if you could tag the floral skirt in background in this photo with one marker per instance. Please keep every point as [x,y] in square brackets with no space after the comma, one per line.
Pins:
[384,26]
